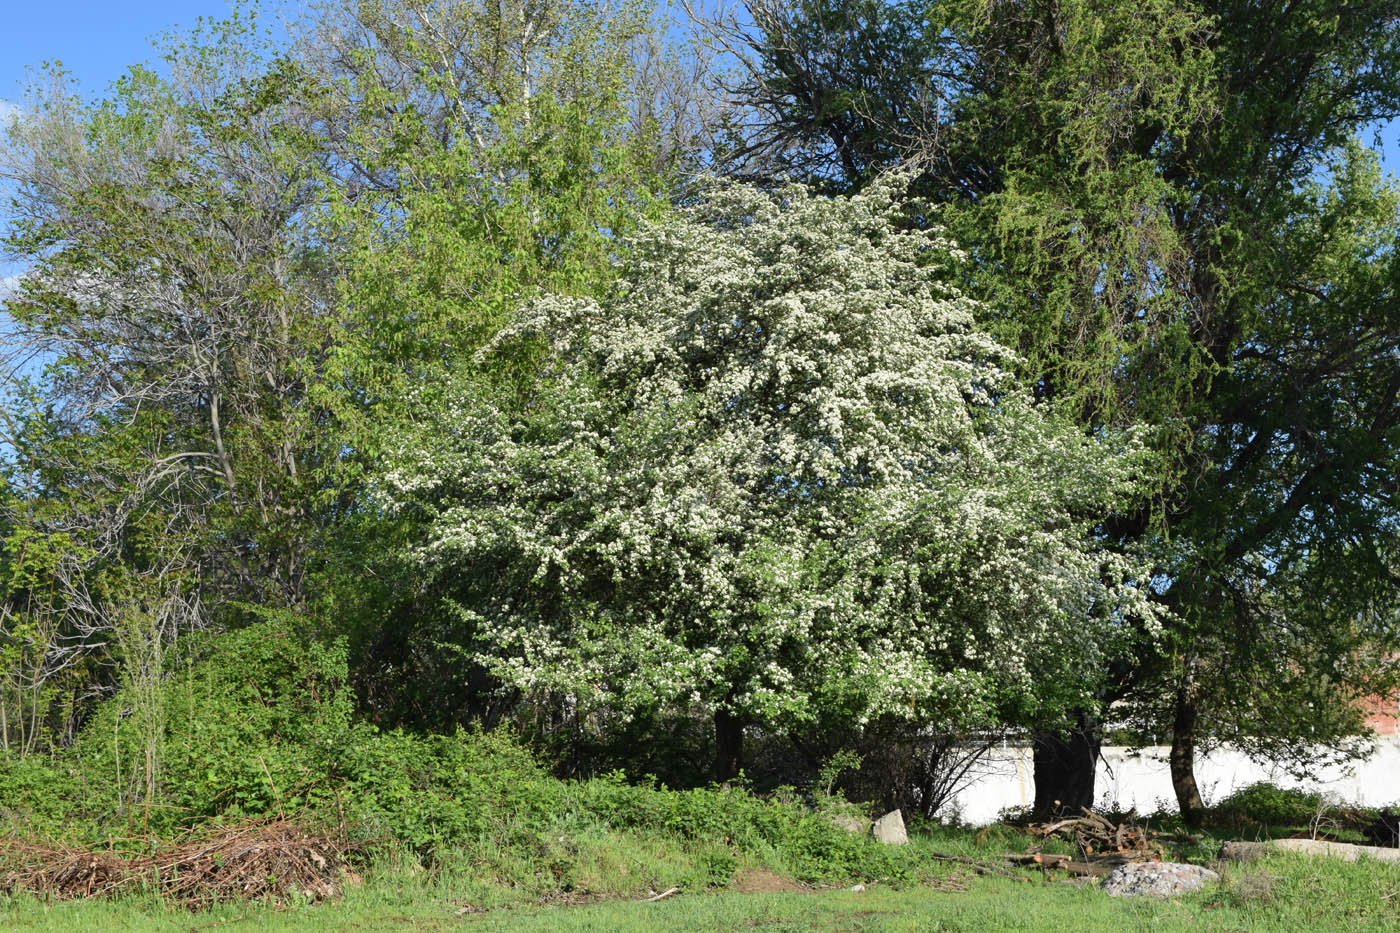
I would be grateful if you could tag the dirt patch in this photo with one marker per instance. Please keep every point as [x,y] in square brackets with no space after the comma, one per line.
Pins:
[763,881]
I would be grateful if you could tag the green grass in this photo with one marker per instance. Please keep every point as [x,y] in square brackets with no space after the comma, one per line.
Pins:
[1282,892]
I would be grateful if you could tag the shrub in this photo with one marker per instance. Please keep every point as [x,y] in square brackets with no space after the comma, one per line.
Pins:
[1267,803]
[427,792]
[814,848]
[37,797]
[248,723]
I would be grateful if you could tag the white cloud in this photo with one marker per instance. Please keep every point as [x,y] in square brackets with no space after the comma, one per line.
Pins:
[8,112]
[8,284]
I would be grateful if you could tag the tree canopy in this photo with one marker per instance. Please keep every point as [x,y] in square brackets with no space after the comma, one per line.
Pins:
[777,474]
[1174,220]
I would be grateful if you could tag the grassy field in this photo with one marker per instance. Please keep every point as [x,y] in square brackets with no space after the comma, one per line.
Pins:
[1279,893]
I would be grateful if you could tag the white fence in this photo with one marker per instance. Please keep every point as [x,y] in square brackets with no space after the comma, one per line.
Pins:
[1142,780]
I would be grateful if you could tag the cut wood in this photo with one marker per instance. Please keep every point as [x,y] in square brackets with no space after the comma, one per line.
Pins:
[1088,869]
[1099,838]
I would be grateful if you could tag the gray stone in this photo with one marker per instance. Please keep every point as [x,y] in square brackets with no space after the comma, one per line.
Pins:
[1157,879]
[851,824]
[1246,851]
[889,829]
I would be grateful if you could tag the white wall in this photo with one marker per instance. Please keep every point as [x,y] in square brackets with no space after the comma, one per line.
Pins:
[1143,780]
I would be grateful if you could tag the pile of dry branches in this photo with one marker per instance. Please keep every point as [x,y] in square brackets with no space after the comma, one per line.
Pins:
[274,861]
[1099,839]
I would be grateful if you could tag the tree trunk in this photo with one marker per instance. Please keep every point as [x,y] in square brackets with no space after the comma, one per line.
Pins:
[1183,759]
[729,745]
[1065,764]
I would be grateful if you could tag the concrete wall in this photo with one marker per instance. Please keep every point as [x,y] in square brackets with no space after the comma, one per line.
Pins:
[1142,780]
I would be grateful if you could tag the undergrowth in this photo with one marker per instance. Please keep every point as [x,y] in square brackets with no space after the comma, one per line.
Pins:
[261,727]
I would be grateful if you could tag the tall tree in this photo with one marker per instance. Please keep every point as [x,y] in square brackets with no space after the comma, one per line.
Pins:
[160,341]
[775,476]
[1173,220]
[240,272]
[488,151]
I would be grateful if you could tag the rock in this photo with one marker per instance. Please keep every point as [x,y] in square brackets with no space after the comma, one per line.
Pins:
[1237,851]
[1156,879]
[889,829]
[858,888]
[1244,851]
[851,824]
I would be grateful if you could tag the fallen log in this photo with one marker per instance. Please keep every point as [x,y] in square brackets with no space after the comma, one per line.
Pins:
[1002,870]
[1087,869]
[1047,859]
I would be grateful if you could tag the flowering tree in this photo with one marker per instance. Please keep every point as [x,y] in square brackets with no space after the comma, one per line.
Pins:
[775,475]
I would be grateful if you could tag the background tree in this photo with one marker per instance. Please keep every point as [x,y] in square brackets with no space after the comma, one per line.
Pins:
[161,342]
[238,275]
[486,151]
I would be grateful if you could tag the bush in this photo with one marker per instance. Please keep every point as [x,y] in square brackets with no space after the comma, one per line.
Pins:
[38,796]
[428,792]
[261,725]
[1269,804]
[812,846]
[246,726]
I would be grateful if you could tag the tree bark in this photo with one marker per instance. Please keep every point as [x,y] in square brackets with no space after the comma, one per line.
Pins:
[729,745]
[1183,758]
[1065,766]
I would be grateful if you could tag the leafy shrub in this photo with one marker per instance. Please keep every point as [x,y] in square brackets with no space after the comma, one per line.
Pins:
[37,796]
[814,848]
[248,723]
[426,792]
[1269,804]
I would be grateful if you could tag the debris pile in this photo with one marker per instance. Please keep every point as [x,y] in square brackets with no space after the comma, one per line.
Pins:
[273,861]
[276,861]
[61,872]
[1100,840]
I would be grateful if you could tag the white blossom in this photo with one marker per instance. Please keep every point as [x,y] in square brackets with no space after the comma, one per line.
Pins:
[777,470]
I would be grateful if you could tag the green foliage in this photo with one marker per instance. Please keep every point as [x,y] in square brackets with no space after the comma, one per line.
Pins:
[831,771]
[247,727]
[433,793]
[1174,221]
[773,475]
[259,725]
[38,796]
[811,845]
[491,152]
[1269,805]
[376,376]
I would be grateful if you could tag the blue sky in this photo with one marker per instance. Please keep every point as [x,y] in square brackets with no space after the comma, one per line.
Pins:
[96,41]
